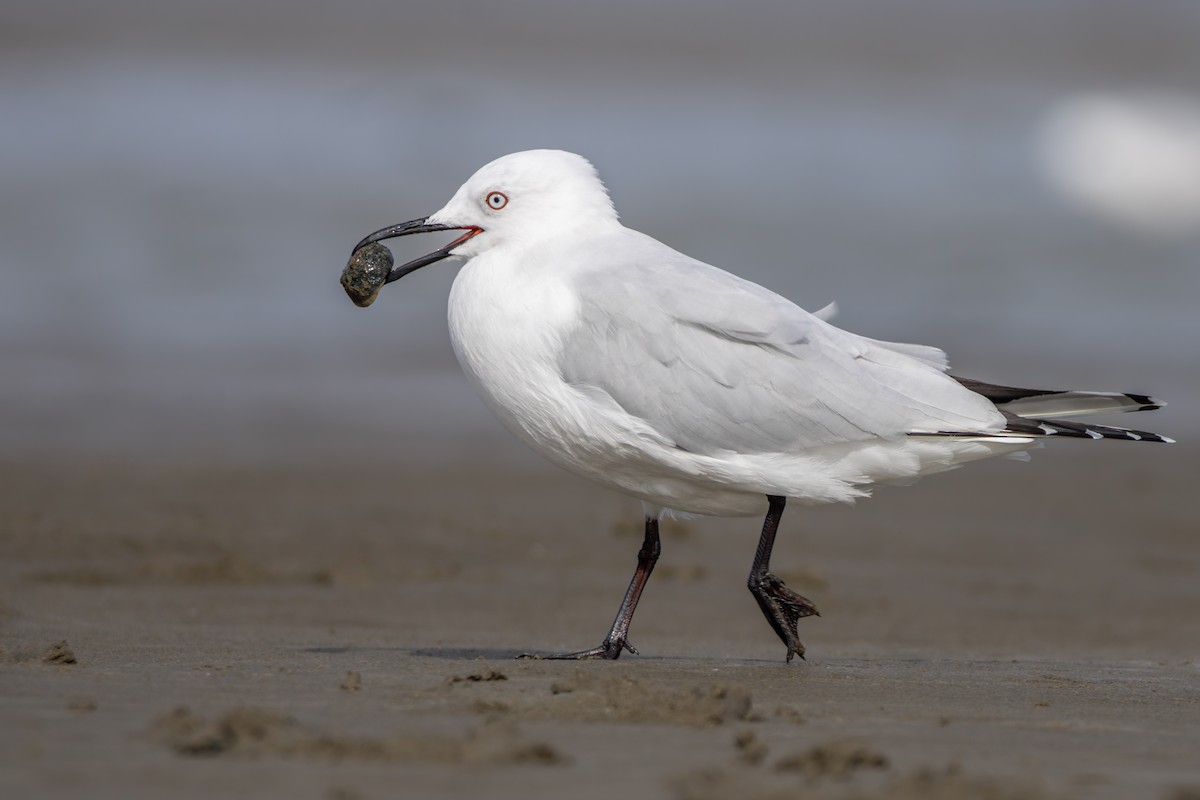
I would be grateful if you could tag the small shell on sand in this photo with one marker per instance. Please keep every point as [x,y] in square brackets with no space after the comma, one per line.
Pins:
[366,272]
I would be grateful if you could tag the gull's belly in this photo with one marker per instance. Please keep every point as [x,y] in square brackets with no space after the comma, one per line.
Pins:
[507,336]
[506,333]
[505,329]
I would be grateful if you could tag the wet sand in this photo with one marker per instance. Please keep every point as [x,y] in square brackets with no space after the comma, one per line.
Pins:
[346,629]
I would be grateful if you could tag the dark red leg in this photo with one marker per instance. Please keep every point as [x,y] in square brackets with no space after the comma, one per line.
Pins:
[618,636]
[782,607]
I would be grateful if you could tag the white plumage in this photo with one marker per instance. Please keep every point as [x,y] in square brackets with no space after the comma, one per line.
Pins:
[681,384]
[638,367]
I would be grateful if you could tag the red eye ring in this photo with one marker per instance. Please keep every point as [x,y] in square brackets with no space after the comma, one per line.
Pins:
[496,200]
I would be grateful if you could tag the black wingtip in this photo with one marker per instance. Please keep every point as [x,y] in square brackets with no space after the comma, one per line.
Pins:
[1057,427]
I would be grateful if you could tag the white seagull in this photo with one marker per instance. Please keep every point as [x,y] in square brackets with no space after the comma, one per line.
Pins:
[698,392]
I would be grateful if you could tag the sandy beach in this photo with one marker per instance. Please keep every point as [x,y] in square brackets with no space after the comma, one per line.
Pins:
[257,542]
[347,629]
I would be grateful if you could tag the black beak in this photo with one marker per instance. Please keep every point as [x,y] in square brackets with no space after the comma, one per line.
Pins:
[418,226]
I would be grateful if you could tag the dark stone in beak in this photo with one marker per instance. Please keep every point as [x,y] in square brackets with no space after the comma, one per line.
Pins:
[411,227]
[366,273]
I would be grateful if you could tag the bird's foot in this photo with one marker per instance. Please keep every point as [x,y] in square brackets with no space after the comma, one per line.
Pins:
[783,608]
[609,650]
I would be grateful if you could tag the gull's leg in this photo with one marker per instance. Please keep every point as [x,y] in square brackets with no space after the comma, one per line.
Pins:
[617,639]
[782,607]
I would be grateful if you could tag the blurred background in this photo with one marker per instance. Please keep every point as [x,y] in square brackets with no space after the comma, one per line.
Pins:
[1017,181]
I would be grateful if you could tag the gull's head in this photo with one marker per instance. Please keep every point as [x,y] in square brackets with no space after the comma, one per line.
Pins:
[518,198]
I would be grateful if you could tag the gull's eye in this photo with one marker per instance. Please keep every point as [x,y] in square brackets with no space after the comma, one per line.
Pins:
[496,200]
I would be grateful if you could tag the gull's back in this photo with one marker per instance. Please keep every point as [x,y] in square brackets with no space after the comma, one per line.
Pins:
[717,364]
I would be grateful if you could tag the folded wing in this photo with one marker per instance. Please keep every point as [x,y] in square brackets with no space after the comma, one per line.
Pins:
[713,363]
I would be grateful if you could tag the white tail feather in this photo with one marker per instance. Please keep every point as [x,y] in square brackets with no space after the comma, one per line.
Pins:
[1062,405]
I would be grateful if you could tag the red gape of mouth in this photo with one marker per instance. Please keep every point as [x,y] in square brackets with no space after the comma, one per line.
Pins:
[471,231]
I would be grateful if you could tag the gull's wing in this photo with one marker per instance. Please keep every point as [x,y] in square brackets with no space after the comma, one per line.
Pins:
[713,363]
